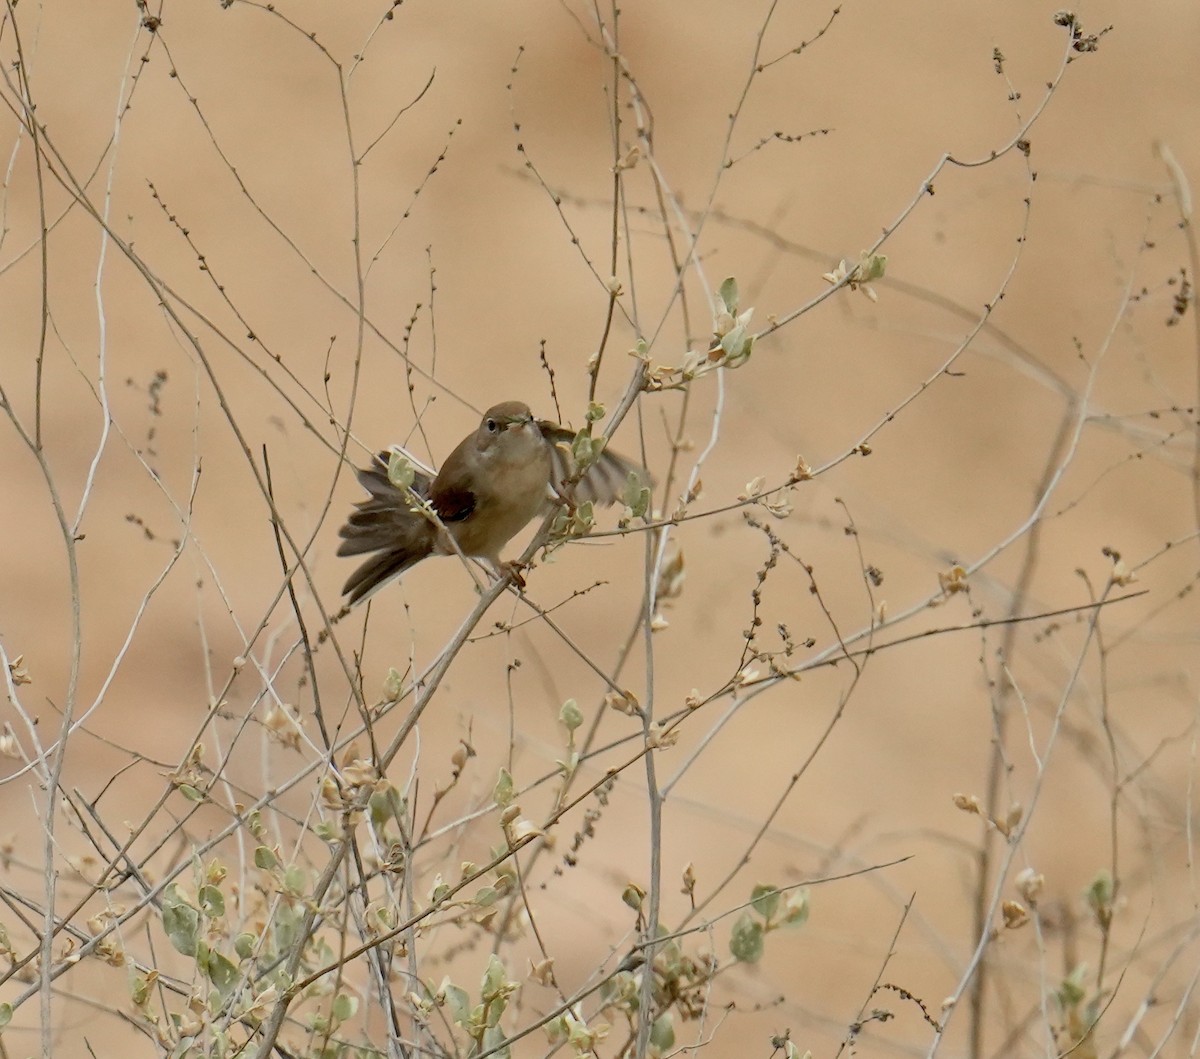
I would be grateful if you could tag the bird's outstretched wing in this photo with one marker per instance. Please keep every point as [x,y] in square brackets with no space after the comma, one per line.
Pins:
[604,481]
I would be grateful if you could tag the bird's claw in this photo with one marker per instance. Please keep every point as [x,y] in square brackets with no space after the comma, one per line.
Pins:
[513,571]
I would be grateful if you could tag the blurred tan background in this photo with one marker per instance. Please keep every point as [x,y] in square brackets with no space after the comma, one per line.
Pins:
[483,260]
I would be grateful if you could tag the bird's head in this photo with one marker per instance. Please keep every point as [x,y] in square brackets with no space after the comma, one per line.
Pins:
[509,429]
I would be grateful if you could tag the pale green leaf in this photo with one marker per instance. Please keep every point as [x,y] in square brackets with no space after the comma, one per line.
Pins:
[746,942]
[636,495]
[181,922]
[503,792]
[571,715]
[458,1002]
[221,971]
[662,1033]
[393,684]
[494,978]
[294,881]
[244,945]
[766,900]
[728,293]
[344,1007]
[212,901]
[400,471]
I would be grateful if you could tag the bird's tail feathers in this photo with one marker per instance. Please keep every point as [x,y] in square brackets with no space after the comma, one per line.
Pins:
[387,524]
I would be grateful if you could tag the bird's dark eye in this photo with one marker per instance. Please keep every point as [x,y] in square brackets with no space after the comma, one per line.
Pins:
[492,426]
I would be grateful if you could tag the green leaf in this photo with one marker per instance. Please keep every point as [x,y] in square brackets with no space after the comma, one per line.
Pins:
[746,942]
[571,715]
[486,896]
[633,895]
[1101,891]
[581,449]
[191,793]
[732,342]
[381,807]
[595,412]
[458,1001]
[662,1033]
[567,768]
[584,518]
[636,495]
[728,293]
[495,980]
[5,1015]
[872,266]
[139,991]
[393,684]
[493,1042]
[503,792]
[244,944]
[765,900]
[579,1036]
[294,880]
[181,922]
[344,1007]
[1073,989]
[264,857]
[400,471]
[212,901]
[621,990]
[735,358]
[221,971]
[285,925]
[585,450]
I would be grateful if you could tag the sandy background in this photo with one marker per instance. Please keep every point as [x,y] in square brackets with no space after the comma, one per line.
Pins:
[483,260]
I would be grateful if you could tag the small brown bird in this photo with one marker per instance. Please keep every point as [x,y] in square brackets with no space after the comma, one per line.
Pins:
[509,470]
